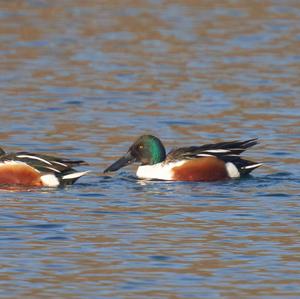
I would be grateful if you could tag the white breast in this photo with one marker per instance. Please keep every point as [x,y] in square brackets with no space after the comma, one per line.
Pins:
[159,171]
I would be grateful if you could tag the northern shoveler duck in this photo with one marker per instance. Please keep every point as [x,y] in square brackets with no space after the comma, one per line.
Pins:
[209,162]
[37,170]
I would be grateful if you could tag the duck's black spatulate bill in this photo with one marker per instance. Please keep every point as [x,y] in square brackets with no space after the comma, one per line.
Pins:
[122,162]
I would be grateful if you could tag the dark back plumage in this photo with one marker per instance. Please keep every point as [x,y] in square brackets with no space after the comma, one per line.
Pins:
[2,152]
[214,149]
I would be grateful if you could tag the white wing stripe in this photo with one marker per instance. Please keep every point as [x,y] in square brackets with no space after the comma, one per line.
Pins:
[34,158]
[252,166]
[59,163]
[74,175]
[216,151]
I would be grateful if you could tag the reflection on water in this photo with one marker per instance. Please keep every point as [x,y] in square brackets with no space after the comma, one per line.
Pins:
[83,79]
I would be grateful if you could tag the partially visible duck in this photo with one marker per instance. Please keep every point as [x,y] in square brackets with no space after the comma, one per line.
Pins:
[37,170]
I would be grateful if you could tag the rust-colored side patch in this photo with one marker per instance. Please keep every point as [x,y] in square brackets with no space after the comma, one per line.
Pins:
[19,174]
[205,169]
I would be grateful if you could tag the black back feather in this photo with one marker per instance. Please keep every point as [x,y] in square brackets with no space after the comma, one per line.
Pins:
[219,150]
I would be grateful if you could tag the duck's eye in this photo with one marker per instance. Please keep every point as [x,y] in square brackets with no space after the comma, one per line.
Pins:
[141,146]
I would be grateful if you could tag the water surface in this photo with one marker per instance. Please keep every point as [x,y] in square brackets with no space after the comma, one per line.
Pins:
[83,79]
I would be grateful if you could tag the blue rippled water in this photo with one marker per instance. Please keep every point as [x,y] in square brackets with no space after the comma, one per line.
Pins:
[83,79]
